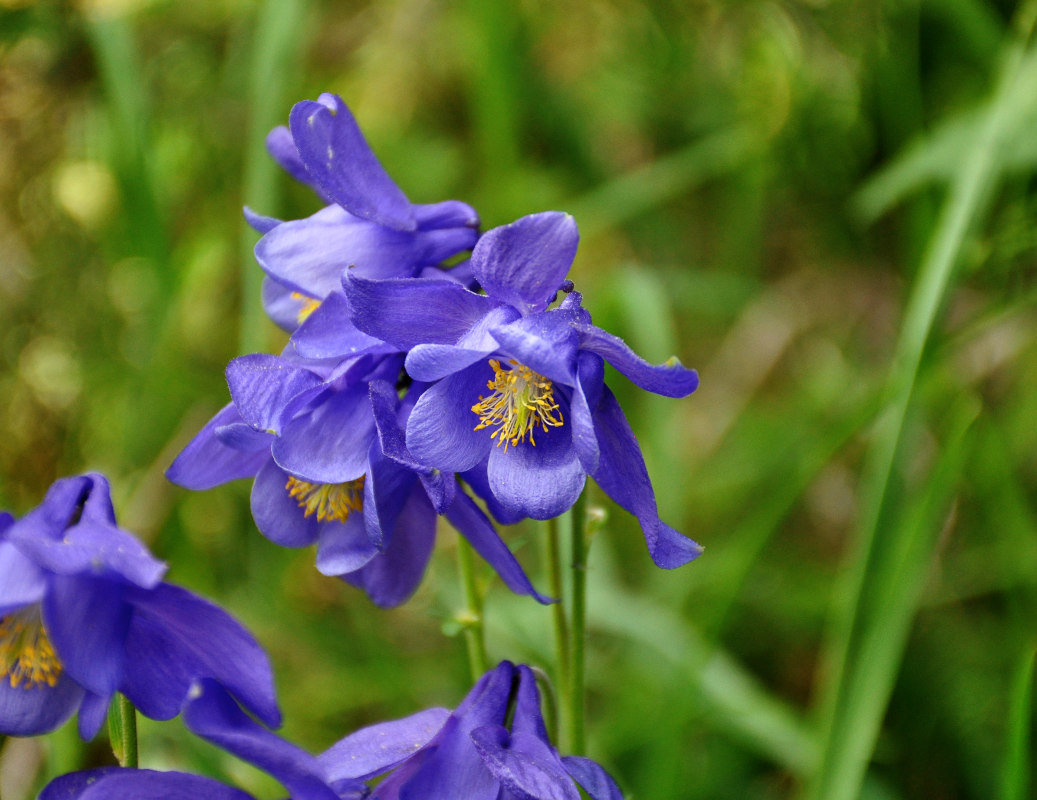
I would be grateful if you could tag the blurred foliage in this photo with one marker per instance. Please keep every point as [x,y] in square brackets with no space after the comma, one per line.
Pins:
[760,185]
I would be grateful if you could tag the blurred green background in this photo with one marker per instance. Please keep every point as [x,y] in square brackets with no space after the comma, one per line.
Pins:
[826,207]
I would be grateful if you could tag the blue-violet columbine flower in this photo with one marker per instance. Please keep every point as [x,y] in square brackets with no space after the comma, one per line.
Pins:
[325,446]
[84,613]
[369,224]
[210,713]
[473,752]
[518,387]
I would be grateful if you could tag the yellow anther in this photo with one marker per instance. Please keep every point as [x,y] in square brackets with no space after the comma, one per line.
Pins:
[521,400]
[307,307]
[329,501]
[27,658]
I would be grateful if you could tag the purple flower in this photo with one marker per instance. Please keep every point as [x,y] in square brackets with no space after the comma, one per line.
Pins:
[84,613]
[325,446]
[369,224]
[472,752]
[518,387]
[213,715]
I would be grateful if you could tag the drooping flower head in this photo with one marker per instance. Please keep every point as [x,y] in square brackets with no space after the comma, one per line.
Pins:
[84,613]
[325,444]
[493,746]
[210,713]
[369,224]
[517,385]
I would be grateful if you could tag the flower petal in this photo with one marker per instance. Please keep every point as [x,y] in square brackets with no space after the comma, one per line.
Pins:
[441,428]
[391,577]
[524,263]
[343,547]
[207,461]
[542,481]
[590,371]
[30,712]
[544,342]
[412,311]
[22,582]
[480,483]
[473,524]
[596,782]
[329,333]
[329,444]
[281,147]
[258,222]
[527,766]
[116,783]
[378,748]
[212,714]
[447,214]
[527,717]
[276,513]
[261,386]
[176,638]
[671,379]
[341,162]
[87,621]
[623,477]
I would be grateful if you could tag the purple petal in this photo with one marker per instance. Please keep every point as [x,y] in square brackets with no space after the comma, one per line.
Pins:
[623,476]
[258,222]
[92,549]
[542,481]
[261,386]
[115,783]
[592,777]
[276,513]
[480,483]
[329,333]
[545,342]
[527,766]
[586,394]
[281,304]
[448,214]
[30,712]
[175,639]
[87,621]
[524,263]
[391,577]
[281,146]
[341,162]
[343,547]
[378,748]
[329,444]
[22,582]
[527,717]
[213,715]
[92,713]
[309,255]
[412,311]
[441,428]
[473,524]
[671,379]
[207,462]
[49,519]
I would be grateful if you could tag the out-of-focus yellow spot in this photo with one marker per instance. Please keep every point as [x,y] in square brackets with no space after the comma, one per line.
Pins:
[86,190]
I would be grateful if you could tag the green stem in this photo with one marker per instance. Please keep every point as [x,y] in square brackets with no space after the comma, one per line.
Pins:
[577,628]
[122,730]
[553,559]
[470,616]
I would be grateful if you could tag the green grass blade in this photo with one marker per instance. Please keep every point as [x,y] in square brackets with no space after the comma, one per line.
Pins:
[846,750]
[275,51]
[1015,774]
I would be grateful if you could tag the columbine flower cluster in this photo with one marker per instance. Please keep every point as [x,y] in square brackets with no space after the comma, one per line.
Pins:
[408,387]
[429,366]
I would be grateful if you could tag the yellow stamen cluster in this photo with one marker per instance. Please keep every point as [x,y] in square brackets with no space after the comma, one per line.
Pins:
[329,501]
[521,400]
[307,307]
[27,658]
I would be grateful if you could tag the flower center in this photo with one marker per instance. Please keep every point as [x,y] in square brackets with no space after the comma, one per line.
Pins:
[27,658]
[521,400]
[329,501]
[307,305]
